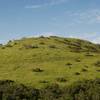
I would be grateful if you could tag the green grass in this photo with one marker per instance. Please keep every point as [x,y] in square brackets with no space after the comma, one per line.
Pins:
[51,54]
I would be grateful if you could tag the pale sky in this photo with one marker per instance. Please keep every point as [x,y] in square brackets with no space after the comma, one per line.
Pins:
[70,18]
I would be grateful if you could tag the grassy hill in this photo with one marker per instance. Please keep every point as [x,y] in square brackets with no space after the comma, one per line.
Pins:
[49,68]
[40,61]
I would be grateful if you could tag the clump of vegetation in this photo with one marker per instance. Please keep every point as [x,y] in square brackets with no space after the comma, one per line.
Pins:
[9,90]
[3,47]
[77,73]
[76,49]
[77,60]
[52,46]
[43,81]
[84,70]
[15,43]
[9,45]
[89,54]
[86,66]
[61,79]
[98,70]
[69,64]
[81,90]
[97,64]
[37,70]
[42,36]
[30,46]
[42,43]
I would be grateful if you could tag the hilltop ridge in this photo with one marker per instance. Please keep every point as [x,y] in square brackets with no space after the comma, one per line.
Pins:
[58,42]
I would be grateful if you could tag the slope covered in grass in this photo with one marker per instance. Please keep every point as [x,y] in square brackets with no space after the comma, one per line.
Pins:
[38,62]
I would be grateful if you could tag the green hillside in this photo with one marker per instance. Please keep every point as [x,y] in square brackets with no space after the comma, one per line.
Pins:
[38,62]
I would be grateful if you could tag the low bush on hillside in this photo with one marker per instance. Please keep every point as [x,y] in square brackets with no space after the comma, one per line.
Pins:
[98,70]
[77,73]
[9,90]
[84,70]
[52,46]
[30,46]
[97,64]
[91,48]
[61,79]
[77,60]
[89,54]
[86,66]
[43,81]
[42,43]
[9,45]
[75,48]
[37,70]
[69,64]
[3,47]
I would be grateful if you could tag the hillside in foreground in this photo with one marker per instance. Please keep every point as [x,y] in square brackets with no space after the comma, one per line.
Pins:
[39,62]
[44,60]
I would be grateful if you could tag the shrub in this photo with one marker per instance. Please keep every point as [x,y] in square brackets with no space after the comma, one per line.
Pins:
[61,79]
[84,70]
[77,73]
[30,46]
[9,41]
[9,90]
[3,47]
[43,81]
[98,70]
[42,36]
[86,66]
[42,43]
[15,43]
[52,46]
[9,45]
[75,49]
[77,60]
[89,54]
[97,64]
[37,70]
[69,64]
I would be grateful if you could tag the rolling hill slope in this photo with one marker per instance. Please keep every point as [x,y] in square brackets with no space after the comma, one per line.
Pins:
[40,61]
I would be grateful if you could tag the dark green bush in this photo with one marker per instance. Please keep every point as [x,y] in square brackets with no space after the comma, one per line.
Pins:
[52,46]
[97,64]
[3,47]
[9,90]
[42,43]
[69,64]
[37,70]
[84,70]
[89,54]
[98,70]
[43,81]
[77,60]
[30,46]
[61,79]
[77,73]
[9,45]
[86,66]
